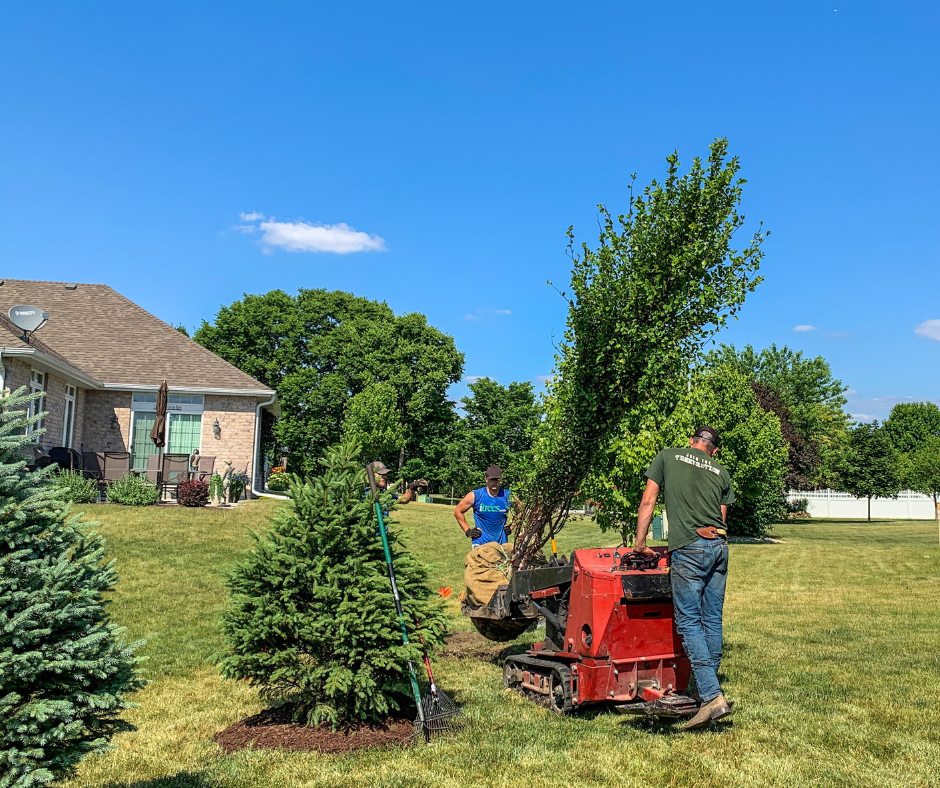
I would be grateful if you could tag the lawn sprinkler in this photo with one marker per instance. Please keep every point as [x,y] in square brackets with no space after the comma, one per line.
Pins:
[437,713]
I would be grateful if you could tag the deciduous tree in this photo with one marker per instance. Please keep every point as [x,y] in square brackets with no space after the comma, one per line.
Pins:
[911,424]
[923,471]
[663,278]
[870,465]
[320,348]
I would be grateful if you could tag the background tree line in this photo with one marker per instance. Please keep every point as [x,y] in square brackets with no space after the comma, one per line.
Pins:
[348,367]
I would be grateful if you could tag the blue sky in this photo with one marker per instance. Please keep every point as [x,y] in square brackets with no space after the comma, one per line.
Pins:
[453,143]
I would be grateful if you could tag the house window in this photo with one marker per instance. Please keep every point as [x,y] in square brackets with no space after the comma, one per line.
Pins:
[141,445]
[37,385]
[185,432]
[68,422]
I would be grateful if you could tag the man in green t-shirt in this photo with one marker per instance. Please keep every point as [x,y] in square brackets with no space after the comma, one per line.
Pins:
[697,493]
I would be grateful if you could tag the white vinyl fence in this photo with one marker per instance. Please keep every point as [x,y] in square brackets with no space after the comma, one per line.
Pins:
[829,503]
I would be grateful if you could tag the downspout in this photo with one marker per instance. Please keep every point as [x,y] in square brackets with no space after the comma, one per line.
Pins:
[3,374]
[254,464]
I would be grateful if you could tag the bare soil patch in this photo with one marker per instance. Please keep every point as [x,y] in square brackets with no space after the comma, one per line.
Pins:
[272,729]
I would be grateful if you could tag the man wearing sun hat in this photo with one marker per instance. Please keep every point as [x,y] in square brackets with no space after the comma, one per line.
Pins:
[381,479]
[697,493]
[491,504]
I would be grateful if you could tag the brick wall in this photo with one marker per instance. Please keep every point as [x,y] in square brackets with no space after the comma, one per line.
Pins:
[236,417]
[17,373]
[98,410]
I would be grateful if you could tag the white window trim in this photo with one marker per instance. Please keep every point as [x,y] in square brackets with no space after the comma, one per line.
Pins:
[35,405]
[163,449]
[68,425]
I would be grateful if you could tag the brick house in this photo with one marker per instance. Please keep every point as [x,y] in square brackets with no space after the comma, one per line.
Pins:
[99,361]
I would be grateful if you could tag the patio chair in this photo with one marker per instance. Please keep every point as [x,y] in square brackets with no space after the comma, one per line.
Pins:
[206,468]
[93,464]
[117,464]
[154,464]
[175,469]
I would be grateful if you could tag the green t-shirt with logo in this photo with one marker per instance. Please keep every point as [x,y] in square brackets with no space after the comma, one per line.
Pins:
[695,486]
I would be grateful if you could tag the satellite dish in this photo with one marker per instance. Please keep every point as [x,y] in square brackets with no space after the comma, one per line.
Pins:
[29,318]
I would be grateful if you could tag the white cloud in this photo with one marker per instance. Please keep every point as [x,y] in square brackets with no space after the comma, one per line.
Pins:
[503,312]
[804,328]
[543,378]
[468,316]
[305,237]
[862,417]
[929,329]
[472,378]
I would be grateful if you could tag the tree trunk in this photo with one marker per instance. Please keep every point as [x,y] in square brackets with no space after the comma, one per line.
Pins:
[401,459]
[452,501]
[936,509]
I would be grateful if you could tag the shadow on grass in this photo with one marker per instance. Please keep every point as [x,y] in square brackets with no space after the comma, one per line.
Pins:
[180,780]
[671,728]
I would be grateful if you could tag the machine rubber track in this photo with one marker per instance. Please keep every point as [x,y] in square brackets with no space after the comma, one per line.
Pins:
[554,681]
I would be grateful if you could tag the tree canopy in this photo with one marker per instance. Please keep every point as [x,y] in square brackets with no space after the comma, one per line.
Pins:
[870,467]
[319,349]
[814,398]
[911,424]
[663,278]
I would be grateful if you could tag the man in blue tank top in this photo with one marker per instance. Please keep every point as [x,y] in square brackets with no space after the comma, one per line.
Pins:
[490,506]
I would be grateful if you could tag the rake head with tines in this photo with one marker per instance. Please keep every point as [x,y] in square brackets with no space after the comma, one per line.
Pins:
[439,714]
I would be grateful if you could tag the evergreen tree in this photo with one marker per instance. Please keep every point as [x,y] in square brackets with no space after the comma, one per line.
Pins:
[65,670]
[311,619]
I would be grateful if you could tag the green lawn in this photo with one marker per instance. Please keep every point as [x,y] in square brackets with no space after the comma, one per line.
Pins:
[832,654]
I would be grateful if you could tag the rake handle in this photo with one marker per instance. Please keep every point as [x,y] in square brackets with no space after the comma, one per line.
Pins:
[391,574]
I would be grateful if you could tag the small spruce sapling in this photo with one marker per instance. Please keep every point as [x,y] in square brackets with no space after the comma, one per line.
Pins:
[65,671]
[311,620]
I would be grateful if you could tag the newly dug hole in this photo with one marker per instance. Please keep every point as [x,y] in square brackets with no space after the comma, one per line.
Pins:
[832,648]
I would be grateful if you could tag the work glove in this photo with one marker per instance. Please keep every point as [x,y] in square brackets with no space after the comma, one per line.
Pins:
[418,484]
[474,533]
[507,529]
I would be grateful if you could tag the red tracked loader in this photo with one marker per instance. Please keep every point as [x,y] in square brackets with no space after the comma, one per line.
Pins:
[609,634]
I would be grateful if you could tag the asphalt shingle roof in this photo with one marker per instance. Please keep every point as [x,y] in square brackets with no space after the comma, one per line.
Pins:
[110,338]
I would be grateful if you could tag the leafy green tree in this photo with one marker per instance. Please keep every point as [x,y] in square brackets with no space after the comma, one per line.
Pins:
[923,471]
[807,387]
[321,348]
[498,425]
[870,466]
[910,424]
[662,280]
[65,670]
[373,422]
[311,619]
[752,448]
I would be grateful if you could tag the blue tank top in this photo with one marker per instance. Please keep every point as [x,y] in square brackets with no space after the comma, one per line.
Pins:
[490,515]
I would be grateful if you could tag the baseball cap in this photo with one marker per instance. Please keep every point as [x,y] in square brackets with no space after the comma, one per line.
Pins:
[494,472]
[379,469]
[708,433]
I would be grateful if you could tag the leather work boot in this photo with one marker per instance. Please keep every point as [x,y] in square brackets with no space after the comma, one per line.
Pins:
[715,709]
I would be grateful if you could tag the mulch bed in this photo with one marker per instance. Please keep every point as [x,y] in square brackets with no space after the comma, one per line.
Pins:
[272,729]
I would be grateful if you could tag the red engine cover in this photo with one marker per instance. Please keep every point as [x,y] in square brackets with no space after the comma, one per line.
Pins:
[625,648]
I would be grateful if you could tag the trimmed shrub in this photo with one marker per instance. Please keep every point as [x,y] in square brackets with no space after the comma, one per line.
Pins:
[192,493]
[133,490]
[311,619]
[76,488]
[65,670]
[278,482]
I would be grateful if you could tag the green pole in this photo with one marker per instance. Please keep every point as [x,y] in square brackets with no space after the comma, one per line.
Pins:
[397,598]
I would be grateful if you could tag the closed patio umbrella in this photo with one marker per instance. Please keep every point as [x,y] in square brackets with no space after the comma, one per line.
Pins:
[158,433]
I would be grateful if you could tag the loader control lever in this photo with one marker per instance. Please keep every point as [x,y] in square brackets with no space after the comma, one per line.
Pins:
[638,561]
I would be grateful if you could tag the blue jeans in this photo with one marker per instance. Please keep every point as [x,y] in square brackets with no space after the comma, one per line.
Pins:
[699,572]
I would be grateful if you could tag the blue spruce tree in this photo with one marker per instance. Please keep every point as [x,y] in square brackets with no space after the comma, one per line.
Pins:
[65,670]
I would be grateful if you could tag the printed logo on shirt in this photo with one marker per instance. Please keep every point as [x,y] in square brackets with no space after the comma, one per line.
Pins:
[487,508]
[698,463]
